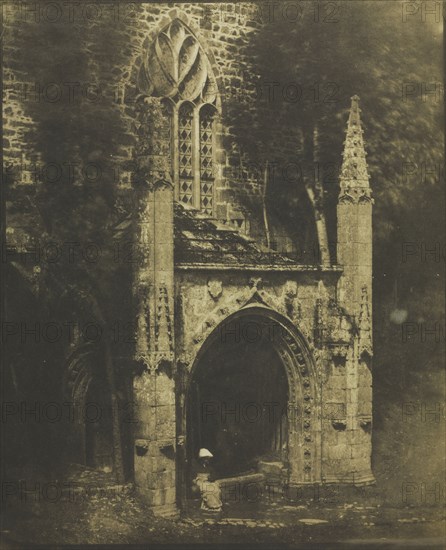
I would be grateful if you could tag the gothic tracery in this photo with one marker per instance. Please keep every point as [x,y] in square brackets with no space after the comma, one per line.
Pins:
[177,68]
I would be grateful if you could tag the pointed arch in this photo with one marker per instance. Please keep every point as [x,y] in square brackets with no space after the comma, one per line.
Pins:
[297,359]
[243,298]
[85,388]
[287,331]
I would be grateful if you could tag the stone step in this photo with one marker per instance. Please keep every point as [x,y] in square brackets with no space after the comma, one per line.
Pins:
[276,469]
[242,479]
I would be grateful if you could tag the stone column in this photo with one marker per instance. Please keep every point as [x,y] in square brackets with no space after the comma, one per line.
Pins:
[154,386]
[354,252]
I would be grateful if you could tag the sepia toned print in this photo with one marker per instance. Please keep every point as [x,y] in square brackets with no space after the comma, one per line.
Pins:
[223,274]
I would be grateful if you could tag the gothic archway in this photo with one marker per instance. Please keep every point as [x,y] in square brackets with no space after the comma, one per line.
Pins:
[89,441]
[256,343]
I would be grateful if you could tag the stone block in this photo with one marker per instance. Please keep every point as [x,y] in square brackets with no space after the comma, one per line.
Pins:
[140,475]
[364,373]
[329,435]
[351,381]
[165,389]
[334,394]
[146,421]
[165,422]
[360,451]
[338,452]
[364,393]
[161,480]
[144,389]
[155,497]
[170,495]
[351,395]
[338,470]
[365,407]
[155,462]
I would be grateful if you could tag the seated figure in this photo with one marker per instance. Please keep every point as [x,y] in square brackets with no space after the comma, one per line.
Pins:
[204,481]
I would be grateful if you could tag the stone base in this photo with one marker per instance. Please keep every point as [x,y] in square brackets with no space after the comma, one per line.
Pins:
[364,478]
[157,503]
[358,479]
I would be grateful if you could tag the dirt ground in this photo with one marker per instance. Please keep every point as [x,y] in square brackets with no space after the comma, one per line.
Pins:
[118,517]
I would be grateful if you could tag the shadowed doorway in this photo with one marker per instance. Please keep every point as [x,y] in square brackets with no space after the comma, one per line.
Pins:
[238,398]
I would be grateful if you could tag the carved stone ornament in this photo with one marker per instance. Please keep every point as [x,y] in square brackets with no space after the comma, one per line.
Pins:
[339,425]
[366,424]
[176,66]
[215,289]
[255,283]
[152,360]
[291,289]
[365,328]
[354,180]
[339,352]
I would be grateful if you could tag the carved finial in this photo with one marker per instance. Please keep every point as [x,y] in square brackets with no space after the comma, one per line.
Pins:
[163,328]
[354,175]
[364,312]
[255,283]
[365,326]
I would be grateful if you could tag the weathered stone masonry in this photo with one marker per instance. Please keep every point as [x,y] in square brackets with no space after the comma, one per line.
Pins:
[200,269]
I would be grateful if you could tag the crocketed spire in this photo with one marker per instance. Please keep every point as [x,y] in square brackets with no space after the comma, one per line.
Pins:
[354,180]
